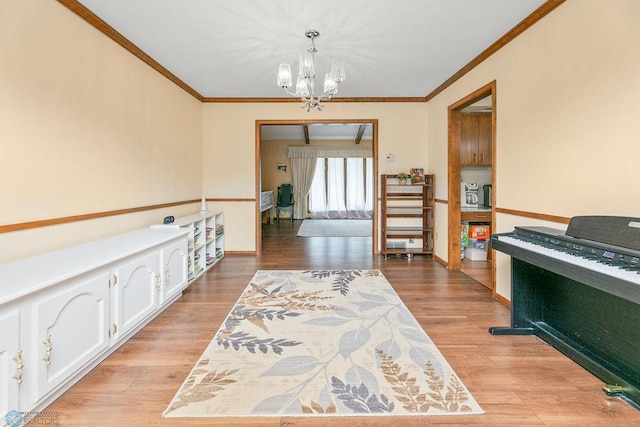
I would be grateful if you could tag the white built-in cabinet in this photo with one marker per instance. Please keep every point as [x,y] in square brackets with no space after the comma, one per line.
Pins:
[72,328]
[137,286]
[206,240]
[174,272]
[11,361]
[63,312]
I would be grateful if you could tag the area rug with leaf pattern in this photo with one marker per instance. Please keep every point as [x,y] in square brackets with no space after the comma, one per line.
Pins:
[321,343]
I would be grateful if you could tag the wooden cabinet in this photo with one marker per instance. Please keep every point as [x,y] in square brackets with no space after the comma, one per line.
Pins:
[205,241]
[475,139]
[407,216]
[63,312]
[11,361]
[476,216]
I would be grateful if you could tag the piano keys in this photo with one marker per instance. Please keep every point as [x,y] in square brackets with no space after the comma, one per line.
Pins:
[579,291]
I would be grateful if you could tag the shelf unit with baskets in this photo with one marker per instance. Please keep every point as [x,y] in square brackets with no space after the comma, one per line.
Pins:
[407,216]
[205,240]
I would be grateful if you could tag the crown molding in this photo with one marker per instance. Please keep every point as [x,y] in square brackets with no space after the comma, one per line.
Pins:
[360,99]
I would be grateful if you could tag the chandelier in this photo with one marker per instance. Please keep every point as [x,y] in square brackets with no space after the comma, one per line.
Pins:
[305,85]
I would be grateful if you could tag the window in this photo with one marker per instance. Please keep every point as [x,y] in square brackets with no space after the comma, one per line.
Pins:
[342,188]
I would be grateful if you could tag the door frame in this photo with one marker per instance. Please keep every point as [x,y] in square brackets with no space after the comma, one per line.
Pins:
[454,172]
[258,177]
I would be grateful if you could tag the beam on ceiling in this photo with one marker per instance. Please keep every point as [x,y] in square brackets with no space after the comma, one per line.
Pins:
[305,128]
[360,133]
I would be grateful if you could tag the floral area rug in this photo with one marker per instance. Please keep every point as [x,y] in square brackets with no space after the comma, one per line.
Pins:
[321,343]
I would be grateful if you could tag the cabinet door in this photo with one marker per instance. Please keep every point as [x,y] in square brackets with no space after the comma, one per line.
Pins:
[174,269]
[468,139]
[134,293]
[484,139]
[11,361]
[71,329]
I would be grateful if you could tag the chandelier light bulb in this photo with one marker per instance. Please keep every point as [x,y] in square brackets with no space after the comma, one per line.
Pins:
[302,88]
[284,75]
[330,84]
[307,68]
[337,70]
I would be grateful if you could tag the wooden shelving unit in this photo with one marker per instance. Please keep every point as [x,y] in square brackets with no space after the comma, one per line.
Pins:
[407,216]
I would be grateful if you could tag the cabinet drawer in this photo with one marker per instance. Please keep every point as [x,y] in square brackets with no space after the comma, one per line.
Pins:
[476,216]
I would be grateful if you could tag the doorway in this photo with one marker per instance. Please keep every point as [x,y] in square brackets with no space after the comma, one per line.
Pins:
[306,129]
[455,173]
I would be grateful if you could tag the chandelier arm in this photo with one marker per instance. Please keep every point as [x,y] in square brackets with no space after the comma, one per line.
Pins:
[286,89]
[327,95]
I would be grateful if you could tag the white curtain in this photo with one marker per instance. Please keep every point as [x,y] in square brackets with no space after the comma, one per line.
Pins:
[326,185]
[342,188]
[318,192]
[335,189]
[356,205]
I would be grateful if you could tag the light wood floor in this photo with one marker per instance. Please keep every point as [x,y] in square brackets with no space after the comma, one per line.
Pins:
[518,381]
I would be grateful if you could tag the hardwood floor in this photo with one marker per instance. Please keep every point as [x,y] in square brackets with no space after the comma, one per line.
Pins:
[517,380]
[477,270]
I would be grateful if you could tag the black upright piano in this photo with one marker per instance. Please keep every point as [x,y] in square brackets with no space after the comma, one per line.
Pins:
[579,291]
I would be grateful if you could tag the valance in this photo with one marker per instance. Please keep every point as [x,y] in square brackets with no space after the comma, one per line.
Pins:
[307,152]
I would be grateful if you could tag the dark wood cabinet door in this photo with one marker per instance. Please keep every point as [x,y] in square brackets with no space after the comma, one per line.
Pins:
[468,139]
[484,139]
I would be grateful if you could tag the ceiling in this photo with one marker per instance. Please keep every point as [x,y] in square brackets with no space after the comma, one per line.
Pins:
[356,132]
[391,48]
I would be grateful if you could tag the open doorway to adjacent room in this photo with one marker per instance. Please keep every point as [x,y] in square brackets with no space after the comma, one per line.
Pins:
[472,161]
[339,184]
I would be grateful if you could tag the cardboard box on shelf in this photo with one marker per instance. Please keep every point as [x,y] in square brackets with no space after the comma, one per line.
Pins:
[480,231]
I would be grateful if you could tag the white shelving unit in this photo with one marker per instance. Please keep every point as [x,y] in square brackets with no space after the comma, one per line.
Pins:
[206,240]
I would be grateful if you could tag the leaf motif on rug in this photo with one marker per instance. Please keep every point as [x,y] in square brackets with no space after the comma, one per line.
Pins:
[358,399]
[411,396]
[239,340]
[316,408]
[202,385]
[342,278]
[318,343]
[256,306]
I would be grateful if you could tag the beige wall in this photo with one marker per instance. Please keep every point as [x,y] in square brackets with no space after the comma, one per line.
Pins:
[567,117]
[229,149]
[86,127]
[274,153]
